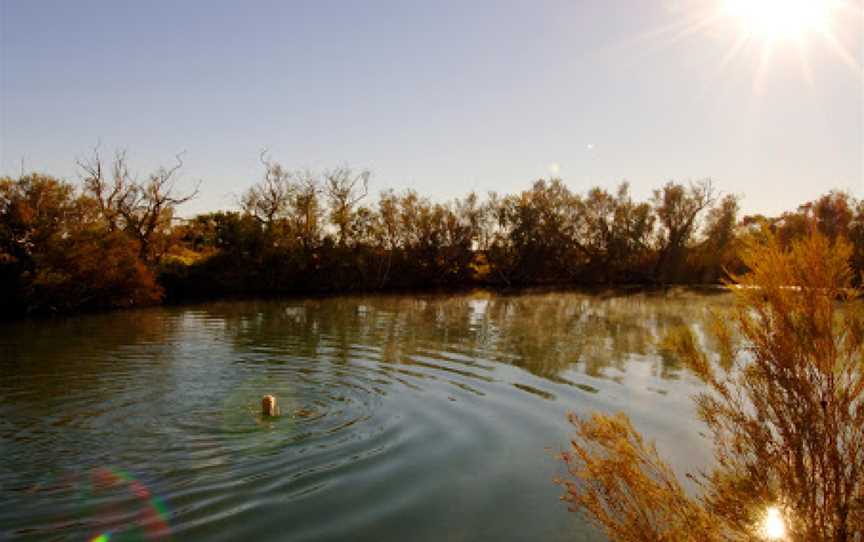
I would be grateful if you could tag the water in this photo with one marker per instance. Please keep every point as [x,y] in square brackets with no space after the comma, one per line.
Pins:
[404,417]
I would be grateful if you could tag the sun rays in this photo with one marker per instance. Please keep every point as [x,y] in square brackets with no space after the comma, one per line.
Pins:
[774,20]
[769,27]
[758,32]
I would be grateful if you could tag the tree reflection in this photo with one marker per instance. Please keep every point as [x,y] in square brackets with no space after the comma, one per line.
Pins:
[545,333]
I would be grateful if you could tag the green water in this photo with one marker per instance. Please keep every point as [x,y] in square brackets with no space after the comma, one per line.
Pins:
[404,417]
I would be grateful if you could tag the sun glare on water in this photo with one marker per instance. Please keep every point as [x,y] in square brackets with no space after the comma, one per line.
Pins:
[773,526]
[782,19]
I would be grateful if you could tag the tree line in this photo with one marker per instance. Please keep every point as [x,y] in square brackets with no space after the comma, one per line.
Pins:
[114,240]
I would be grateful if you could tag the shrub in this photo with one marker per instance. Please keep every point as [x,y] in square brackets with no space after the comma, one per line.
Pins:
[786,413]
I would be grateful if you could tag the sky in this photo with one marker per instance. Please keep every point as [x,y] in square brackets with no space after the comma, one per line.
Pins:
[444,96]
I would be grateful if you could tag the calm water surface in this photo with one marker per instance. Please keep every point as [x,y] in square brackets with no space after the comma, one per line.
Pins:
[405,417]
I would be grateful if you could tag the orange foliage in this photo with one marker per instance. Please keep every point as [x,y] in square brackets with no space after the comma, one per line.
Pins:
[785,407]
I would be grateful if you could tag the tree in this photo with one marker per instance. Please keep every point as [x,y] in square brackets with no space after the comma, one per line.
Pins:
[833,213]
[677,208]
[785,408]
[717,253]
[149,208]
[856,236]
[498,248]
[306,210]
[345,189]
[541,226]
[616,231]
[109,195]
[270,199]
[720,223]
[143,209]
[33,210]
[91,269]
[59,254]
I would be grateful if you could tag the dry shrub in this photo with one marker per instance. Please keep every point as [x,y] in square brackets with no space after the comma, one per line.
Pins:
[784,405]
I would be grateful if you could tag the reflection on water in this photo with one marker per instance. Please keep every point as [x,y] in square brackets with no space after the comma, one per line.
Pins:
[773,526]
[405,414]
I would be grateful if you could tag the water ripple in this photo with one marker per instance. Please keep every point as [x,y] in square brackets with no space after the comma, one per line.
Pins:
[400,415]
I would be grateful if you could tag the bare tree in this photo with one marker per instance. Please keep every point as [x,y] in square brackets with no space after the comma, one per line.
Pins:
[142,209]
[149,207]
[109,193]
[270,199]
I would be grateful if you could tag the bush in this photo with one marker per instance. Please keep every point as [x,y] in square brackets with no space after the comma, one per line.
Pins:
[785,409]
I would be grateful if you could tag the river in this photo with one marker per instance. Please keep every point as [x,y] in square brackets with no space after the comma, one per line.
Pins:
[421,417]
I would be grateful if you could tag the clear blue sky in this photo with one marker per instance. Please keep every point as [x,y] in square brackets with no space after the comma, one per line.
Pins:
[441,96]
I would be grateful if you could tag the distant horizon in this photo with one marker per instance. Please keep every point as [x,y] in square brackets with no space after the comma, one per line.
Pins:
[444,99]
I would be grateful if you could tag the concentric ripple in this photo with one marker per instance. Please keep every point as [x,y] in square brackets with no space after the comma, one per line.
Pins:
[425,418]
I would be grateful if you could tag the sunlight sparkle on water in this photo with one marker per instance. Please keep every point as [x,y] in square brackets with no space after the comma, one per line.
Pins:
[773,525]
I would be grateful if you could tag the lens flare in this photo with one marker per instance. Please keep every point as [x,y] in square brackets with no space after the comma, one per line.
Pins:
[103,498]
[152,516]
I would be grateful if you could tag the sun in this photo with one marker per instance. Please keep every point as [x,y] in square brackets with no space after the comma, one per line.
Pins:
[774,20]
[754,34]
